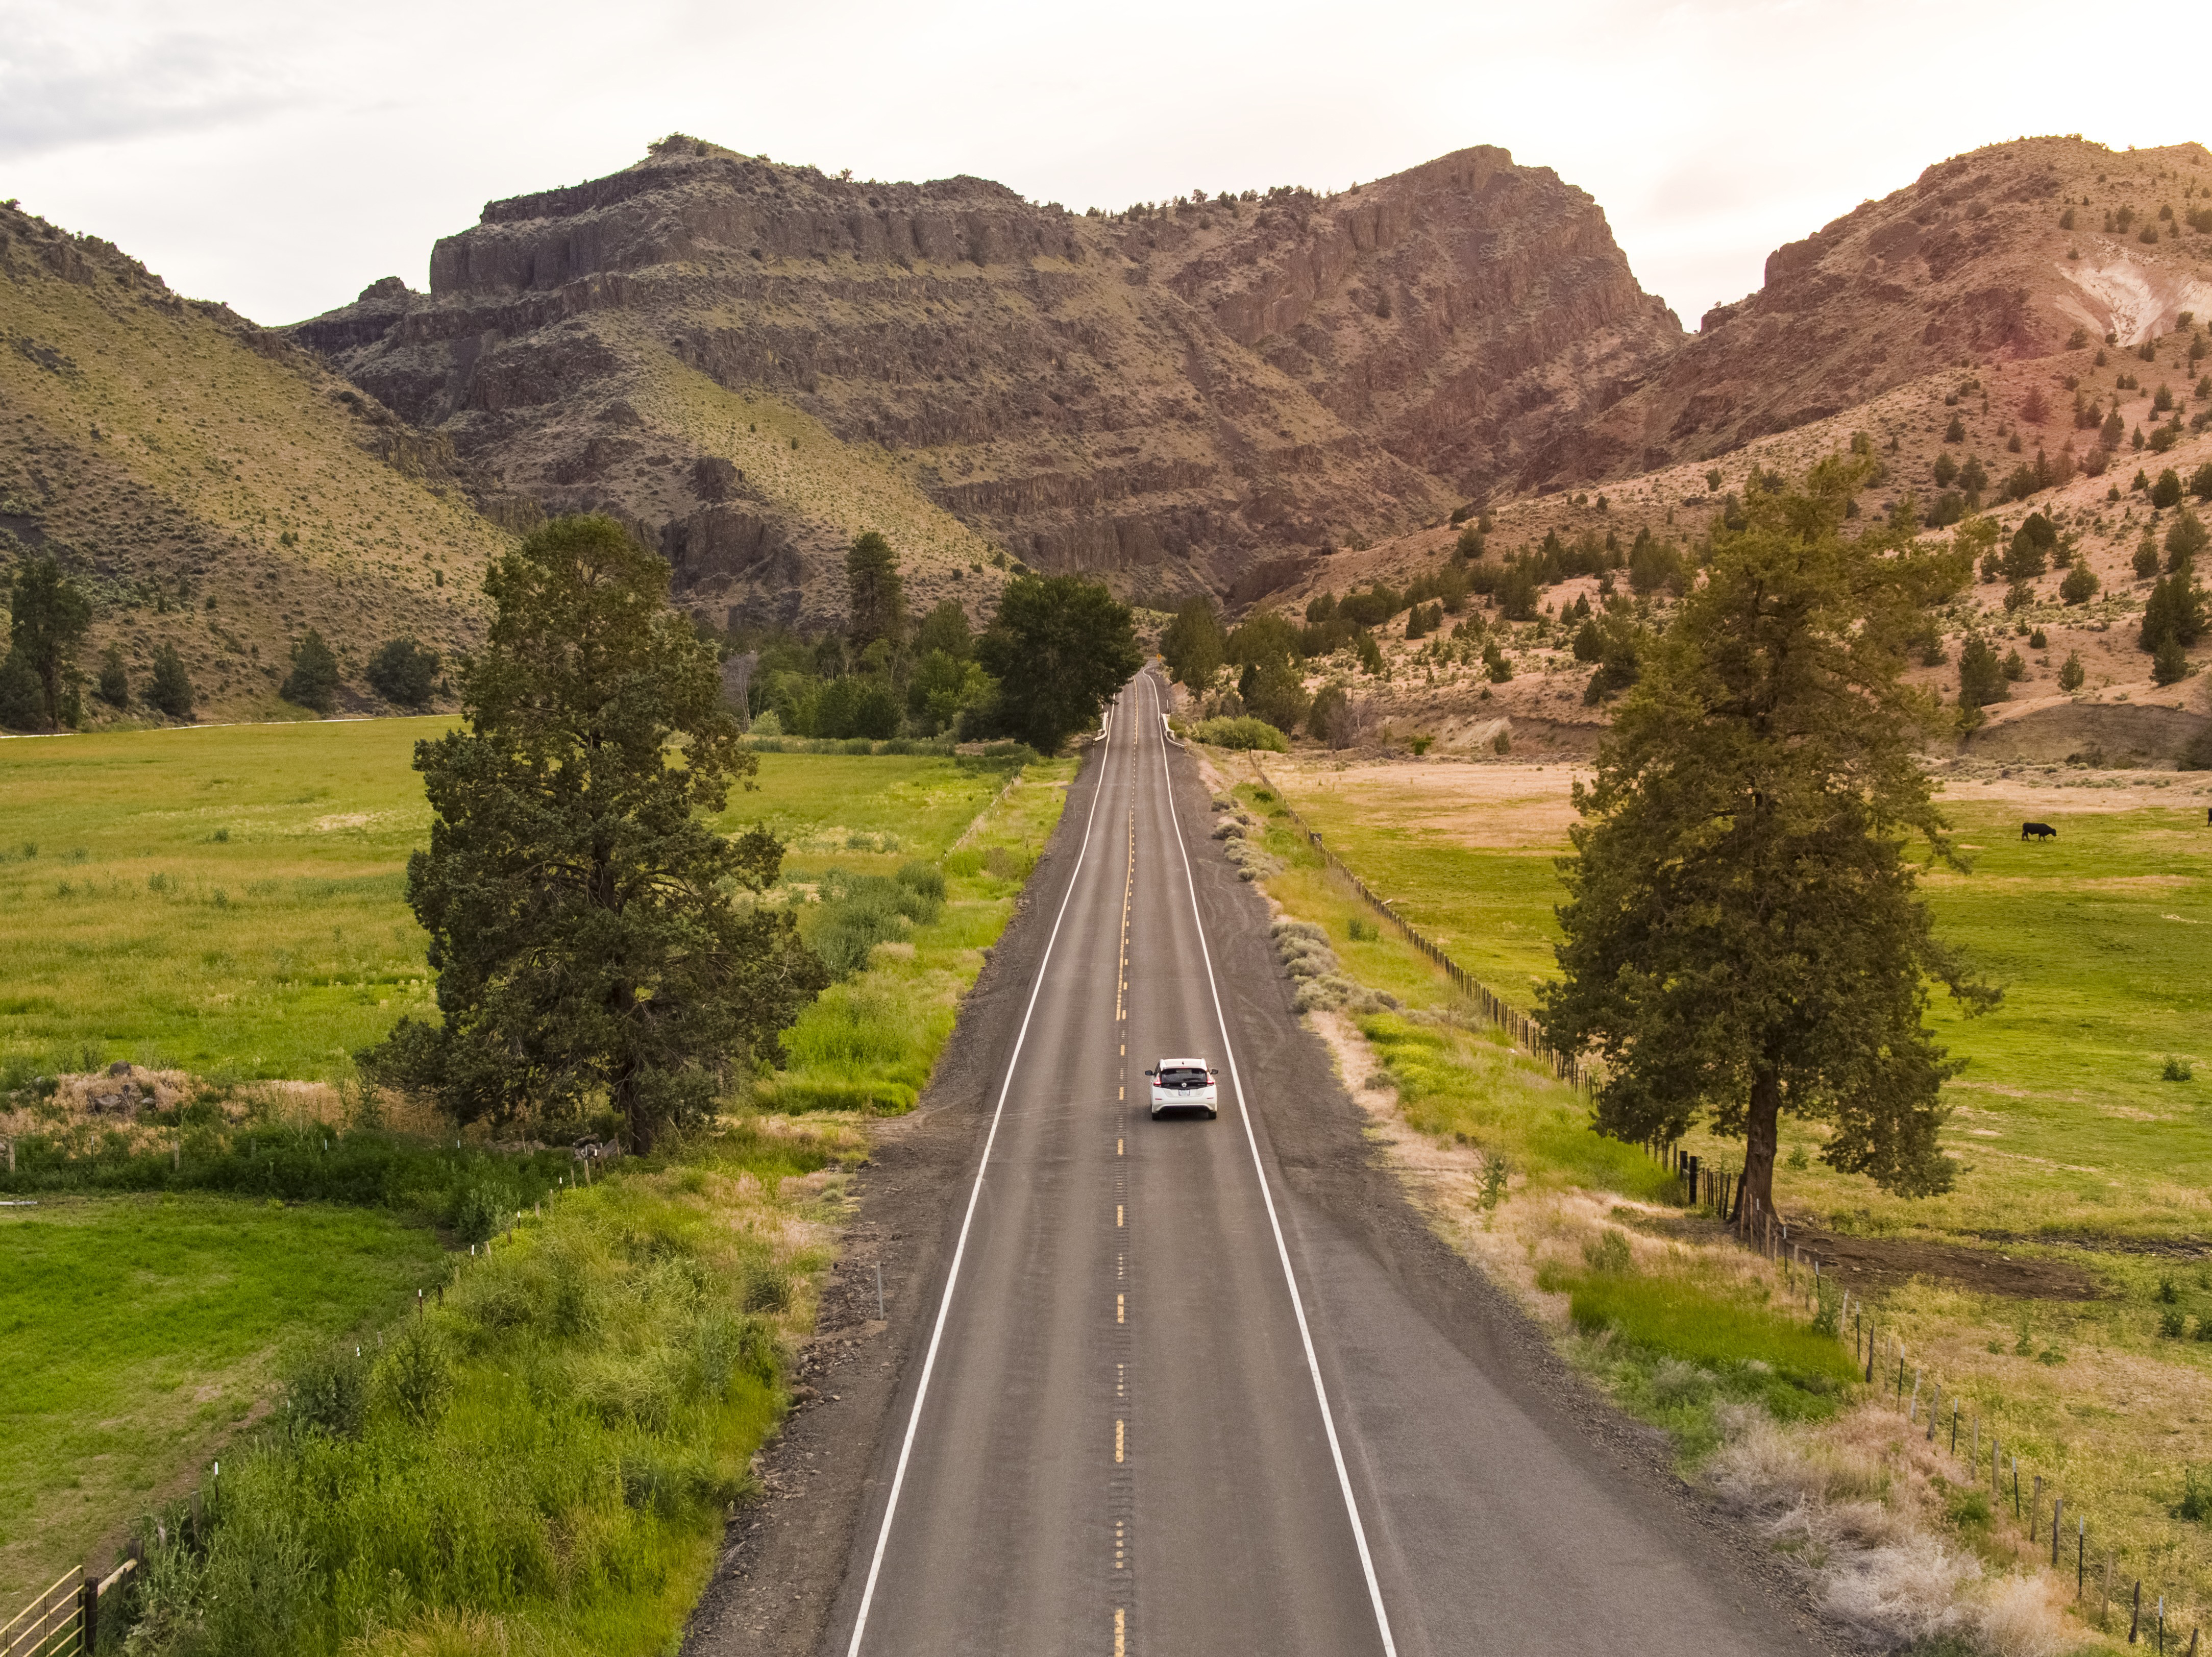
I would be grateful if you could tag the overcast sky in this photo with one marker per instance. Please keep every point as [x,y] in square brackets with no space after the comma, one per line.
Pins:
[280,154]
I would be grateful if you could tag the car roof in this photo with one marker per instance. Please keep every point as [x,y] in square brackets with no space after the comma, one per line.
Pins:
[1182,1064]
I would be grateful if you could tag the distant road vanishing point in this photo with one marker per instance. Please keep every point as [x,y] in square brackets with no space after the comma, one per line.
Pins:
[1201,1387]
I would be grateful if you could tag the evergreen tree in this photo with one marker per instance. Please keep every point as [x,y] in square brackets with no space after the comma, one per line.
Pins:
[314,681]
[875,600]
[1981,675]
[595,936]
[946,629]
[1060,648]
[1193,646]
[1742,933]
[2071,673]
[47,619]
[403,672]
[2174,610]
[113,684]
[171,687]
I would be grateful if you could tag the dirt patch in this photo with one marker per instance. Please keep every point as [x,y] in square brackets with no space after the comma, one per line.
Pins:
[1864,1264]
[1489,806]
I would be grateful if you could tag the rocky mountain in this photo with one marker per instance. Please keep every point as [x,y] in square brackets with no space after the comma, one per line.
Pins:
[750,361]
[212,487]
[2018,251]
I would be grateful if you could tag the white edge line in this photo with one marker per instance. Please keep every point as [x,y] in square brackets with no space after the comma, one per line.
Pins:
[1282,1250]
[975,1195]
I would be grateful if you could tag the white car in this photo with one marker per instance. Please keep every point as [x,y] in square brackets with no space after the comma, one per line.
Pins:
[1183,1084]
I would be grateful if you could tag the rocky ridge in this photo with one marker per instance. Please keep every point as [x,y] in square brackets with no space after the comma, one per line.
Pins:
[1197,394]
[2015,252]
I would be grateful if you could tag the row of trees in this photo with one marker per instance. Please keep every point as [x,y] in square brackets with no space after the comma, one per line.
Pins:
[42,686]
[1056,648]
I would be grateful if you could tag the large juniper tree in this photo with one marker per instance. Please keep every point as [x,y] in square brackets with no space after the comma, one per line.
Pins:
[592,935]
[1743,934]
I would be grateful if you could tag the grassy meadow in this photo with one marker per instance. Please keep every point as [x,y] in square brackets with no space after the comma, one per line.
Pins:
[138,1332]
[228,903]
[2074,1147]
[231,901]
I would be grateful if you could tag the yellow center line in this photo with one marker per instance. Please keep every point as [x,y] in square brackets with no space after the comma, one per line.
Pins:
[1117,1148]
[1121,1439]
[1121,1647]
[1119,1219]
[1121,1308]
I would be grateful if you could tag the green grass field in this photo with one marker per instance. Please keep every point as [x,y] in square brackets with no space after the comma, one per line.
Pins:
[231,900]
[2063,1123]
[2063,1119]
[138,1330]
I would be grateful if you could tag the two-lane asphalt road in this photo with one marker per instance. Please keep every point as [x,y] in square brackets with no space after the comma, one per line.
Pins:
[1175,1399]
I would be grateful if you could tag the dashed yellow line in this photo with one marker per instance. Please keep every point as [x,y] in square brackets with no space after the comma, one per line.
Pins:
[1120,1217]
[1121,1440]
[1121,1308]
[1121,1632]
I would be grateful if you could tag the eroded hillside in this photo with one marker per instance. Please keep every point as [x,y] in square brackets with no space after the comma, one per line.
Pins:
[1186,394]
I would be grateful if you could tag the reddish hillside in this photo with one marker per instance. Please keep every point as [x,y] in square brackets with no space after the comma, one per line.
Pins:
[2007,252]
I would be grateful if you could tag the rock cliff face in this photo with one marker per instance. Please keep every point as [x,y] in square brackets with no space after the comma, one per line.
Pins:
[750,361]
[2009,252]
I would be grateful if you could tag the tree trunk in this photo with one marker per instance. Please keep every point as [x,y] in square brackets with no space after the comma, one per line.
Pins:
[1758,1135]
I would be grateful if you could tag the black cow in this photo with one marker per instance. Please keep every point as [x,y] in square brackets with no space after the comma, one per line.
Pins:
[2039,830]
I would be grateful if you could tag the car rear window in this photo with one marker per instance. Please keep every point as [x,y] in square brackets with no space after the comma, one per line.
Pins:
[1182,1078]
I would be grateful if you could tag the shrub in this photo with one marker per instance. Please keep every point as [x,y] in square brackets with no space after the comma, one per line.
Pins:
[401,671]
[2079,585]
[2200,482]
[2171,1323]
[2145,562]
[1502,743]
[1495,665]
[1360,930]
[1243,732]
[2167,491]
[415,1377]
[2196,1503]
[328,1395]
[2014,668]
[2177,1069]
[2036,641]
[1956,431]
[2071,673]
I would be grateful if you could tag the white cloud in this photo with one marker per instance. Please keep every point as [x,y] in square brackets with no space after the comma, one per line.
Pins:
[280,155]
